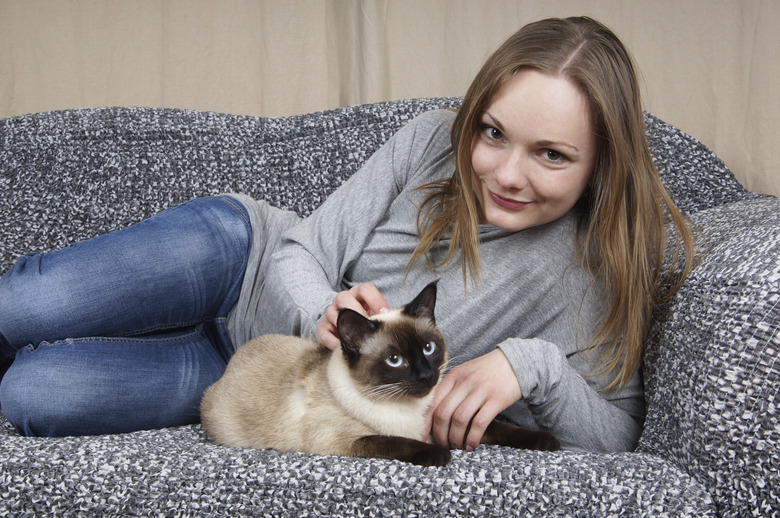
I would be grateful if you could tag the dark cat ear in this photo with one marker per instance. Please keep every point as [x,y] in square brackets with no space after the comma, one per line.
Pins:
[424,303]
[354,329]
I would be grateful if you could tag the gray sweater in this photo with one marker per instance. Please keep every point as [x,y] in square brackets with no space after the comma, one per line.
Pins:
[532,300]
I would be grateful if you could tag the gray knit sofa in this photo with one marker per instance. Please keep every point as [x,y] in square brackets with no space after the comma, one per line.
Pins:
[711,372]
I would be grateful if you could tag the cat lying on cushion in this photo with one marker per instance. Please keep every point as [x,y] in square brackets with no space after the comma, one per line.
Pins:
[366,399]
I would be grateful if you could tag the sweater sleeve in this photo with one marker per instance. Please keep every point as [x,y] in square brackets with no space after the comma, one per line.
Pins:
[312,258]
[562,401]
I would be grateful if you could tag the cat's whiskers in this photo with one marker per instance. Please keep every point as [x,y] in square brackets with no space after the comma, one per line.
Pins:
[385,392]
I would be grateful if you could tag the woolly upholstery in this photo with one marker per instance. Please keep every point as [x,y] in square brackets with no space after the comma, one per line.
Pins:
[711,372]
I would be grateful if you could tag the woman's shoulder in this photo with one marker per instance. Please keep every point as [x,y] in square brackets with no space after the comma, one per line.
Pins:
[423,145]
[430,145]
[435,119]
[433,125]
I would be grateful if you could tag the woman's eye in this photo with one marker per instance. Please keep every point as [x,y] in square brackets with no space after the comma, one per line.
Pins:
[554,156]
[394,361]
[491,132]
[429,348]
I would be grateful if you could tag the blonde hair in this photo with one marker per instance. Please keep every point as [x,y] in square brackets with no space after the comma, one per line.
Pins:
[621,237]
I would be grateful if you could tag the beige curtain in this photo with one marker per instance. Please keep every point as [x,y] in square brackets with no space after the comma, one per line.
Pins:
[711,67]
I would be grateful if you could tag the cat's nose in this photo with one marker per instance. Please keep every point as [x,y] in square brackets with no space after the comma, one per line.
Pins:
[427,378]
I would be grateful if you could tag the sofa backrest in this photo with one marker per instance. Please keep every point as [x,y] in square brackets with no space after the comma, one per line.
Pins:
[70,175]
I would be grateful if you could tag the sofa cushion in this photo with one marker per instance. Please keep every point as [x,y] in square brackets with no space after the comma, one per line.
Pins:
[178,471]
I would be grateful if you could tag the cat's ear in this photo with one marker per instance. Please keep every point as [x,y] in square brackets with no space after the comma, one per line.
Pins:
[354,329]
[424,303]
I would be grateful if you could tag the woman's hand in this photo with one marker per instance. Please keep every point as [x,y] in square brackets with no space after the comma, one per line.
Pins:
[363,298]
[469,397]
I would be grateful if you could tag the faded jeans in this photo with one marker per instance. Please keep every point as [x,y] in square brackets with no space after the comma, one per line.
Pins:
[124,331]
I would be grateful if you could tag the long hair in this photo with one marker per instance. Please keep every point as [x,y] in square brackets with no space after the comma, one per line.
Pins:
[621,237]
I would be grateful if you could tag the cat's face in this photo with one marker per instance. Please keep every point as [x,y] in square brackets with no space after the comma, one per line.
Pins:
[398,354]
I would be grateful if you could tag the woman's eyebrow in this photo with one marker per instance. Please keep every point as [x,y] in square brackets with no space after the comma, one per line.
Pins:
[497,123]
[547,143]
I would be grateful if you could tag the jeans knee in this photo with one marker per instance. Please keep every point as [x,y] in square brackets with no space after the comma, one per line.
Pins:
[38,400]
[16,403]
[16,286]
[177,268]
[27,302]
[42,396]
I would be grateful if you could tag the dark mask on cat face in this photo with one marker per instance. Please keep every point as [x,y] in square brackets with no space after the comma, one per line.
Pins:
[396,354]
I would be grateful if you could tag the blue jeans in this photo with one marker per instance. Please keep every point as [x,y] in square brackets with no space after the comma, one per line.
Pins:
[124,331]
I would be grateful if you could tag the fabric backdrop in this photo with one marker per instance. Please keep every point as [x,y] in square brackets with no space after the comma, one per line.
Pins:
[710,67]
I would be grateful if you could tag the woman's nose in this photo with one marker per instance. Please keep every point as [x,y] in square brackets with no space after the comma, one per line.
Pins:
[512,172]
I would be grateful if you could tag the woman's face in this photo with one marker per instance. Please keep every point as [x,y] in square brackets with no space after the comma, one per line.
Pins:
[534,154]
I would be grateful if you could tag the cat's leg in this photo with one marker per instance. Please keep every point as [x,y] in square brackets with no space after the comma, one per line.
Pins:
[506,434]
[401,448]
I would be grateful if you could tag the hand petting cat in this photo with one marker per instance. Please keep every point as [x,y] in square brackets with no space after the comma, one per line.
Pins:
[363,298]
[469,397]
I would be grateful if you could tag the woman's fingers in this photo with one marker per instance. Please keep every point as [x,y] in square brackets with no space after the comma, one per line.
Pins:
[462,416]
[363,298]
[369,298]
[326,332]
[470,397]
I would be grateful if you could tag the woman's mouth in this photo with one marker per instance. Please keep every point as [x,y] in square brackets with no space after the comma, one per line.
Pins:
[506,202]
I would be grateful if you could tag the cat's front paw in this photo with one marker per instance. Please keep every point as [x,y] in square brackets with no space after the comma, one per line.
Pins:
[506,434]
[431,455]
[533,440]
[545,441]
[401,448]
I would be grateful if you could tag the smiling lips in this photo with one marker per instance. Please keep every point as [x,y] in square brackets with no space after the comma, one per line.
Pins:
[507,203]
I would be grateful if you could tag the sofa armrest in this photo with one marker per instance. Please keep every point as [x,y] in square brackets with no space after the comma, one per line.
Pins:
[712,367]
[694,176]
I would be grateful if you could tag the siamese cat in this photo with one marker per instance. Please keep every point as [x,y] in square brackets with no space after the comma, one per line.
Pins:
[366,399]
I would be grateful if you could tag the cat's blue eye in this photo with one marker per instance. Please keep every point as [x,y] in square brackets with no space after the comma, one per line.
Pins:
[429,348]
[394,361]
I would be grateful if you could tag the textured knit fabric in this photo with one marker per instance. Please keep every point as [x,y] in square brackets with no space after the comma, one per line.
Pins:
[719,340]
[710,443]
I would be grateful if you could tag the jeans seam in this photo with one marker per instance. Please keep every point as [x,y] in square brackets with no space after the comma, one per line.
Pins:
[117,340]
[234,204]
[163,327]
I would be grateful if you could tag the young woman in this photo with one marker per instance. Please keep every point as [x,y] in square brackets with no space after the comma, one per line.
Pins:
[537,206]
